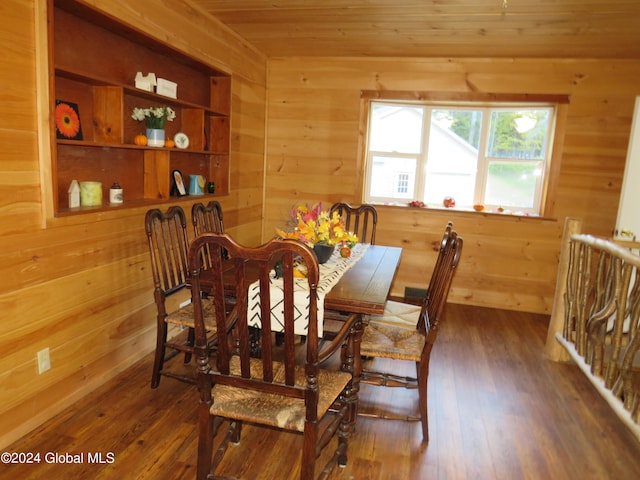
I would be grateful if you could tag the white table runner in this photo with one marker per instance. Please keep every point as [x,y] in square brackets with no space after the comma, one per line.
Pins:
[330,273]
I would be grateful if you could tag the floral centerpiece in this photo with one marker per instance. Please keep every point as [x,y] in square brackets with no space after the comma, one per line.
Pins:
[155,117]
[317,228]
[312,225]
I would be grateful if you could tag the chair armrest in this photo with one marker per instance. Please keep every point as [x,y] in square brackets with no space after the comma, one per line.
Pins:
[340,327]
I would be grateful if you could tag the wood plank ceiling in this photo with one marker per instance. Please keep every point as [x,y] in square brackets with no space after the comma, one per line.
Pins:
[435,28]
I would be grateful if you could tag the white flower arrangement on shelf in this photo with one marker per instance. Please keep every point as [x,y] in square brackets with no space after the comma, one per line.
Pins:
[156,117]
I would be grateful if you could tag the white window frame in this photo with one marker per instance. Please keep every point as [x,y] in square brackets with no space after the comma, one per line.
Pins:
[485,102]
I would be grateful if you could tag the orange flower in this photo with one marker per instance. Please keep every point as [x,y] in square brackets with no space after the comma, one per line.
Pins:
[67,120]
[312,225]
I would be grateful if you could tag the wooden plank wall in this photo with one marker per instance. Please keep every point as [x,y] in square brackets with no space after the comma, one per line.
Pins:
[82,285]
[312,155]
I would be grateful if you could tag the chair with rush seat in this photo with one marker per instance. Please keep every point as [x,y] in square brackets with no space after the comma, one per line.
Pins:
[168,247]
[408,332]
[360,220]
[207,218]
[275,390]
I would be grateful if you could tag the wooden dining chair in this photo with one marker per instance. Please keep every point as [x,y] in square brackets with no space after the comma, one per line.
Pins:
[360,220]
[408,332]
[207,218]
[274,390]
[168,248]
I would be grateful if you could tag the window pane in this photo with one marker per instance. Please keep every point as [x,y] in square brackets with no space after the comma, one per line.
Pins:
[441,185]
[452,156]
[518,134]
[395,128]
[512,184]
[392,177]
[465,124]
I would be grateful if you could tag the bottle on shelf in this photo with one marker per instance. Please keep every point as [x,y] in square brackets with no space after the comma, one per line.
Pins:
[115,194]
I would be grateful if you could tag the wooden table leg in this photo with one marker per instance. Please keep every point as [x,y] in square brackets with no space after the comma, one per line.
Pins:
[352,363]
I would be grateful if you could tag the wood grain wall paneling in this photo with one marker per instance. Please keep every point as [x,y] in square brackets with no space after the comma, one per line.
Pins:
[82,285]
[507,261]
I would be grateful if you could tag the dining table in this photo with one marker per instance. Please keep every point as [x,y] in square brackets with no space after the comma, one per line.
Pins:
[362,290]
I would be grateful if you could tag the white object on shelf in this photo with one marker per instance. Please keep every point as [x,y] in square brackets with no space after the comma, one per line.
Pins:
[115,194]
[146,83]
[74,194]
[167,88]
[181,140]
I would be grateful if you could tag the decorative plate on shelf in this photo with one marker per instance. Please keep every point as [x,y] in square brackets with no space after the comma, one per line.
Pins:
[181,139]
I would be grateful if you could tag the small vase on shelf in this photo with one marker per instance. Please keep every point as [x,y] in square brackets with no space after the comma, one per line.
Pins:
[155,137]
[323,252]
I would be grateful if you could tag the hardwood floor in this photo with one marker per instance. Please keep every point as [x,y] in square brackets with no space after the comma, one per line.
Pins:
[497,410]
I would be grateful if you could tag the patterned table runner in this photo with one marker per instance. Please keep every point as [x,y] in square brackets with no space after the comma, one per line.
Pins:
[330,273]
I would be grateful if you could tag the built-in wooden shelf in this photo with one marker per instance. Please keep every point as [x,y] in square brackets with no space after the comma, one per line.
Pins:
[98,75]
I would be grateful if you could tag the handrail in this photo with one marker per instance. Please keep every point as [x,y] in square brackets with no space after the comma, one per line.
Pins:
[610,246]
[601,320]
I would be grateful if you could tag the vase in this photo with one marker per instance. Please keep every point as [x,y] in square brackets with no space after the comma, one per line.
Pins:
[323,252]
[196,184]
[155,137]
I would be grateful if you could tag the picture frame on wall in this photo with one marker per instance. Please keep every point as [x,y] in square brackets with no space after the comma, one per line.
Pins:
[177,184]
[67,119]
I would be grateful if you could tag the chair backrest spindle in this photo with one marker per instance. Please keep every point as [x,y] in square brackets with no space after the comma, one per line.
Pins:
[438,298]
[360,220]
[441,279]
[207,218]
[168,246]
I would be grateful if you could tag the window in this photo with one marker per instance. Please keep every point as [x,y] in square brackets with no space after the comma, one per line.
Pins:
[489,153]
[403,183]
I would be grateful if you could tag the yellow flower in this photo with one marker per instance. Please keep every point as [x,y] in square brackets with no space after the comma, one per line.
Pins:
[311,225]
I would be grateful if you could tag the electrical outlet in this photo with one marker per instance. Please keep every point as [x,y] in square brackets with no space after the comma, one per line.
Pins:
[44,361]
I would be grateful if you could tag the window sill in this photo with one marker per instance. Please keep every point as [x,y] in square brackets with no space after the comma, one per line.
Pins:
[461,210]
